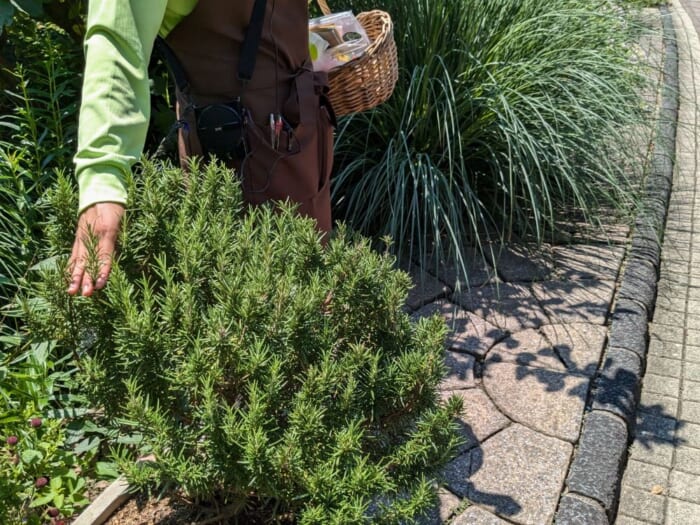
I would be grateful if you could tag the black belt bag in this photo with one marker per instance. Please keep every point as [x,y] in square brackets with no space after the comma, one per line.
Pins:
[221,130]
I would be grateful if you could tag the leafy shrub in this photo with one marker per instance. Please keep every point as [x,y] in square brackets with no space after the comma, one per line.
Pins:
[259,365]
[37,138]
[508,115]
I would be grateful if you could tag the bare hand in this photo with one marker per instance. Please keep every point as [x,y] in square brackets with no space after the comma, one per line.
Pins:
[101,221]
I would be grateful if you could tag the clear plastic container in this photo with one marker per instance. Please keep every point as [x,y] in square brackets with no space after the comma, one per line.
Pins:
[342,39]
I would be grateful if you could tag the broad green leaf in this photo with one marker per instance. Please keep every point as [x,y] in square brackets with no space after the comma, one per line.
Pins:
[66,413]
[31,456]
[58,500]
[56,483]
[9,420]
[42,500]
[10,340]
[47,264]
[79,485]
[79,500]
[87,444]
[105,470]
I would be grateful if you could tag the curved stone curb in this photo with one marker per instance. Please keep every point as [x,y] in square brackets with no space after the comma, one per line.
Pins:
[105,504]
[594,478]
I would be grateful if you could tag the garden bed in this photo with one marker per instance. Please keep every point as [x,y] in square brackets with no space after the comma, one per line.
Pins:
[115,506]
[140,508]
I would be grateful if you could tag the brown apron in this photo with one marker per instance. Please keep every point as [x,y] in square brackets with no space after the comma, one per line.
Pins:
[207,43]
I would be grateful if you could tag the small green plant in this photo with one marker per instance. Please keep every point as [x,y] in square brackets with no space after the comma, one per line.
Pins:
[45,453]
[42,476]
[260,367]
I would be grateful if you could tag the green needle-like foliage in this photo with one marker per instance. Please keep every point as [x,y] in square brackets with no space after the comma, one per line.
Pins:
[258,364]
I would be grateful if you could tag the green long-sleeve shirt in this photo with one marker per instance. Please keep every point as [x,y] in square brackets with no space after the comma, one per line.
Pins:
[115,107]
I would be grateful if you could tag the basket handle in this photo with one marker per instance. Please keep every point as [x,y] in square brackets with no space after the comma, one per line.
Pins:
[324,7]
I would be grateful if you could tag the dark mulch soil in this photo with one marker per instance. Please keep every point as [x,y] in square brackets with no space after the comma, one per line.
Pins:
[143,510]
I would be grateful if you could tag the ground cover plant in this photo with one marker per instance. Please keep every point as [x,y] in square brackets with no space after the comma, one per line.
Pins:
[508,115]
[260,367]
[45,464]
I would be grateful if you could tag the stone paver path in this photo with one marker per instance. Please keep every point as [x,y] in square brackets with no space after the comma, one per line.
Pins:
[525,345]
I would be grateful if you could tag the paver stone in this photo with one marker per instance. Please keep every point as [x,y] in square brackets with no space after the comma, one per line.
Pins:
[460,371]
[583,262]
[510,307]
[575,301]
[520,263]
[478,271]
[477,516]
[579,345]
[479,419]
[527,348]
[519,474]
[426,288]
[548,401]
[467,332]
[574,348]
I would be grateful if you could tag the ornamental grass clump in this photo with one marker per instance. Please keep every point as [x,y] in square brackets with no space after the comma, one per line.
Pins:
[508,115]
[261,368]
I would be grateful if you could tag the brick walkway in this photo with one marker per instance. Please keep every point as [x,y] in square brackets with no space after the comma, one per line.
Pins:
[661,484]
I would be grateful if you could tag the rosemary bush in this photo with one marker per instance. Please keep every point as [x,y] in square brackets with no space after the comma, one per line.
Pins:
[261,367]
[508,114]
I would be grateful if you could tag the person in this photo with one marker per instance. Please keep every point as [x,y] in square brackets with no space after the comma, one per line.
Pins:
[289,129]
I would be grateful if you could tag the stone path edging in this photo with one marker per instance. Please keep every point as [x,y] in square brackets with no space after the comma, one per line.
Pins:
[594,477]
[105,504]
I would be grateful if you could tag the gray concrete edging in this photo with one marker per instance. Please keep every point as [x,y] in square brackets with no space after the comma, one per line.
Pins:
[595,475]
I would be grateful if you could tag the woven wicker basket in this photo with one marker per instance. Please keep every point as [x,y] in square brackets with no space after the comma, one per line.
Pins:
[369,80]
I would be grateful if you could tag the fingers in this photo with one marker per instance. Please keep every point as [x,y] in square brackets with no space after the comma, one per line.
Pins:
[76,267]
[105,250]
[102,222]
[105,268]
[80,279]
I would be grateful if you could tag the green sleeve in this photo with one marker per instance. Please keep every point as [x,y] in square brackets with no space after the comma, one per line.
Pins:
[115,107]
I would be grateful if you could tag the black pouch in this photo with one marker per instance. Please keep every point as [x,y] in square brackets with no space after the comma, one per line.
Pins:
[221,130]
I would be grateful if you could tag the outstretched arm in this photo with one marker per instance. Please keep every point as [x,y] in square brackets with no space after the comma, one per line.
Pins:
[114,115]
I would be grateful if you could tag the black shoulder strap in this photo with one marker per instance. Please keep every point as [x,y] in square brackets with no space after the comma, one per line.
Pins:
[176,69]
[249,50]
[251,42]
